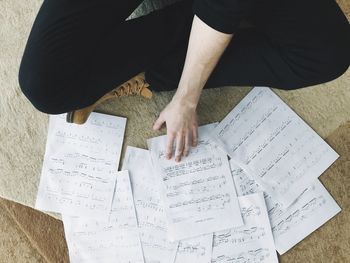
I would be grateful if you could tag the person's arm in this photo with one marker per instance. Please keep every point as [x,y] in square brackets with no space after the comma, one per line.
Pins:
[206,45]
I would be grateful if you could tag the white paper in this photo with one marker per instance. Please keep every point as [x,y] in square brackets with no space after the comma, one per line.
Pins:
[195,250]
[246,185]
[149,208]
[199,195]
[252,242]
[274,145]
[80,163]
[314,208]
[291,224]
[98,241]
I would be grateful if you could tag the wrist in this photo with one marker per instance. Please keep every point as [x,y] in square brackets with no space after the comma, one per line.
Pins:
[188,93]
[185,101]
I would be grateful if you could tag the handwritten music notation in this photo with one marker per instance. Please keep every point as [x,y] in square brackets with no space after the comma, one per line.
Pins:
[290,224]
[273,145]
[199,194]
[195,250]
[92,240]
[245,185]
[123,203]
[252,242]
[254,256]
[239,236]
[149,208]
[78,174]
[312,209]
[236,116]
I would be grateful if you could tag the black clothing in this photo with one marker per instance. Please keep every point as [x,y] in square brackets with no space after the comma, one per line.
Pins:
[79,50]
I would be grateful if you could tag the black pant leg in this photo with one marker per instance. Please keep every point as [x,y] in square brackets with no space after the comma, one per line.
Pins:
[79,50]
[292,44]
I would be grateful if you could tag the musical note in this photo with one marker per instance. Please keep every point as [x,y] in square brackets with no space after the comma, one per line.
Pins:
[290,224]
[198,192]
[252,242]
[102,241]
[312,209]
[245,185]
[149,207]
[81,162]
[273,145]
[251,256]
[195,250]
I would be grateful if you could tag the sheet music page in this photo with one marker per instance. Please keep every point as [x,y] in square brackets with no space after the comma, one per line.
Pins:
[195,250]
[274,145]
[94,241]
[199,195]
[149,207]
[80,163]
[246,185]
[252,242]
[314,207]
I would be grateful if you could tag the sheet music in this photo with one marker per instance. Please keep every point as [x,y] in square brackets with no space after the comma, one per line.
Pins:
[252,242]
[149,208]
[80,163]
[100,241]
[246,185]
[290,225]
[195,250]
[274,145]
[314,208]
[199,195]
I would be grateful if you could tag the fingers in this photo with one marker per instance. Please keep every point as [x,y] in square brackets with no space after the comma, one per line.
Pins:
[169,145]
[184,141]
[159,123]
[180,141]
[187,147]
[194,136]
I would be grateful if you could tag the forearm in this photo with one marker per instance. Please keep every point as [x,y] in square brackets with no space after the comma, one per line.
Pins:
[205,48]
[206,45]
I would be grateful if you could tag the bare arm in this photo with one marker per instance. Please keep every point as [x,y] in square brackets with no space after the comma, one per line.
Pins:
[206,45]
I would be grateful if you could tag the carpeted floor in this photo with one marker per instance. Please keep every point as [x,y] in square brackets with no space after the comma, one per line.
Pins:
[31,236]
[23,129]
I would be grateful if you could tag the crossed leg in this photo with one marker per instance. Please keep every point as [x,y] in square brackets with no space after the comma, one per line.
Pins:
[80,50]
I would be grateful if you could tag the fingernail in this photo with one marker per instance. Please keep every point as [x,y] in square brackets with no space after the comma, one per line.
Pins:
[178,159]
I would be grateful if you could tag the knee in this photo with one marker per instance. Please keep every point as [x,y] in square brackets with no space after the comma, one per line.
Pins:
[326,60]
[332,47]
[335,64]
[37,89]
[318,67]
[41,83]
[334,52]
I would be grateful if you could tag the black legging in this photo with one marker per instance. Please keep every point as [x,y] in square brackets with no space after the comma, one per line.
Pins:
[79,50]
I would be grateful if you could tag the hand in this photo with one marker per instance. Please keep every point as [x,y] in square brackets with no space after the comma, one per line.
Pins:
[181,123]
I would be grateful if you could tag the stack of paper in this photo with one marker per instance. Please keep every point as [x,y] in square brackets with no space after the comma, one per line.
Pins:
[80,165]
[198,193]
[116,240]
[206,208]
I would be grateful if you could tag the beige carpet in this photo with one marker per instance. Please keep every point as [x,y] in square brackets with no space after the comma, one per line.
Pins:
[30,236]
[23,129]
